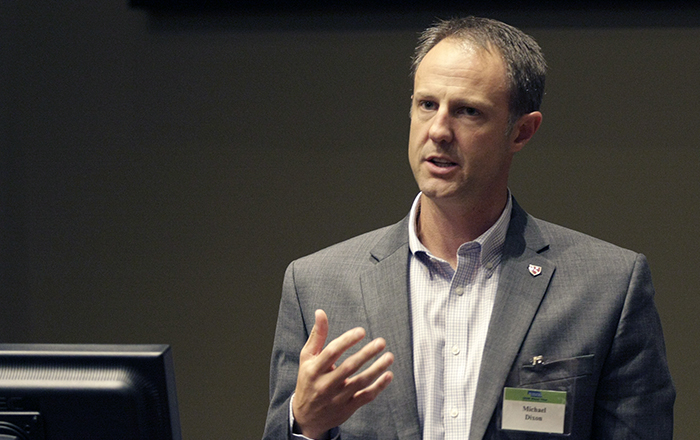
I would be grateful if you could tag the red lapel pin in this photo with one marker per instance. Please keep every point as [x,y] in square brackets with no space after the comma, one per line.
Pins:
[534,270]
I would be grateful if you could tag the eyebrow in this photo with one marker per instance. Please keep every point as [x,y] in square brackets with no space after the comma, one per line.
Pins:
[456,103]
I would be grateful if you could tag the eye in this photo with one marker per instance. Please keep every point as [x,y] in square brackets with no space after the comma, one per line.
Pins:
[427,105]
[469,111]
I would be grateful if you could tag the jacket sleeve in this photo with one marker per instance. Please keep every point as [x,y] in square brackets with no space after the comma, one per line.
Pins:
[635,395]
[290,337]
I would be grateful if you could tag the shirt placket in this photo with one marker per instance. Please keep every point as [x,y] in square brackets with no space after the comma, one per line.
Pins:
[456,351]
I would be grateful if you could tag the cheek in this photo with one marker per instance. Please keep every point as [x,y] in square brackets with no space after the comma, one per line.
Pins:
[482,151]
[413,156]
[489,142]
[412,132]
[414,143]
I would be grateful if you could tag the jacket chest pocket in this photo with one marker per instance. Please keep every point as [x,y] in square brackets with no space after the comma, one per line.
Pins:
[571,375]
[542,370]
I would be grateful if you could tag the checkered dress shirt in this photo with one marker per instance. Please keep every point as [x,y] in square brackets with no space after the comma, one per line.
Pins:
[450,312]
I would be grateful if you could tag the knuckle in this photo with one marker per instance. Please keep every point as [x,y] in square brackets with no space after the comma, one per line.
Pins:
[350,365]
[333,350]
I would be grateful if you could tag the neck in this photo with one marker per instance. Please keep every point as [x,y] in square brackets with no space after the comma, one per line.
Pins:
[444,227]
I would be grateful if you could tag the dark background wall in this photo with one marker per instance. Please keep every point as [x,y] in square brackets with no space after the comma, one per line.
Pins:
[159,171]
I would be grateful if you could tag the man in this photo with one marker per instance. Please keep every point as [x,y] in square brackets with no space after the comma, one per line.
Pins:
[499,325]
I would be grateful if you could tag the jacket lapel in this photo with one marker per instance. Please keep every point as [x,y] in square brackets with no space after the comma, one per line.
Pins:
[386,299]
[517,300]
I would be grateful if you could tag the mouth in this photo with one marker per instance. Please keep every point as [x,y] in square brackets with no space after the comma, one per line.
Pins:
[441,162]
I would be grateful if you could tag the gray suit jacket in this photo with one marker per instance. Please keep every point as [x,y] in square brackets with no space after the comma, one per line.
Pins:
[589,313]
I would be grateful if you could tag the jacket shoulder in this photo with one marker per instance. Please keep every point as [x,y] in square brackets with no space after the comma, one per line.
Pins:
[364,248]
[563,236]
[570,248]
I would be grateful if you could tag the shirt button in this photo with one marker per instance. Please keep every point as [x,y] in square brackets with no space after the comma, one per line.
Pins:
[459,290]
[489,265]
[454,413]
[455,350]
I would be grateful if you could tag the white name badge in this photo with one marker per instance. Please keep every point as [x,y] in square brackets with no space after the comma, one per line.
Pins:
[533,410]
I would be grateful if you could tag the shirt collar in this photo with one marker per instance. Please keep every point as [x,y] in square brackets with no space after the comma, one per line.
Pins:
[491,241]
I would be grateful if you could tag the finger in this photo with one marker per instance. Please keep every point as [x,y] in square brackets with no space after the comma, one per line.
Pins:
[368,394]
[338,346]
[353,363]
[317,338]
[369,375]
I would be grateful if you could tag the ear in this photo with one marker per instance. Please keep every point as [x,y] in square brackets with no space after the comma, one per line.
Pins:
[524,130]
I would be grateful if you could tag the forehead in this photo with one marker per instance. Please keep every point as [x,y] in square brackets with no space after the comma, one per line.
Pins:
[458,62]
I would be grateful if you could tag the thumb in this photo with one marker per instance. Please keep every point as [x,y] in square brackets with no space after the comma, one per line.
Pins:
[318,336]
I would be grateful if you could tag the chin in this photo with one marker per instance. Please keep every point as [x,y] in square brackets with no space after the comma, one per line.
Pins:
[439,193]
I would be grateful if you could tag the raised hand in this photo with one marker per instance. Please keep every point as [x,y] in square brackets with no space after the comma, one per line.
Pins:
[326,395]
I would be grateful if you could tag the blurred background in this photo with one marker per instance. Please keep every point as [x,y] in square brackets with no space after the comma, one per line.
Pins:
[161,166]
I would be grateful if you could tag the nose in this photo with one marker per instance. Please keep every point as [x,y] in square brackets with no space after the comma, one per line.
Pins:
[440,130]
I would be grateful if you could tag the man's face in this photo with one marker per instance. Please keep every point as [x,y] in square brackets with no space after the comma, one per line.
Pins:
[459,148]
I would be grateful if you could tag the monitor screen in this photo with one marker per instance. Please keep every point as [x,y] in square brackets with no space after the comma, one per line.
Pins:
[76,391]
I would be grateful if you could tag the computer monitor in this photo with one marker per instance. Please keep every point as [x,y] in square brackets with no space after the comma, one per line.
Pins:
[77,391]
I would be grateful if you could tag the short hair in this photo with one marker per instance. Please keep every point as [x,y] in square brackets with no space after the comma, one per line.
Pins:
[522,56]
